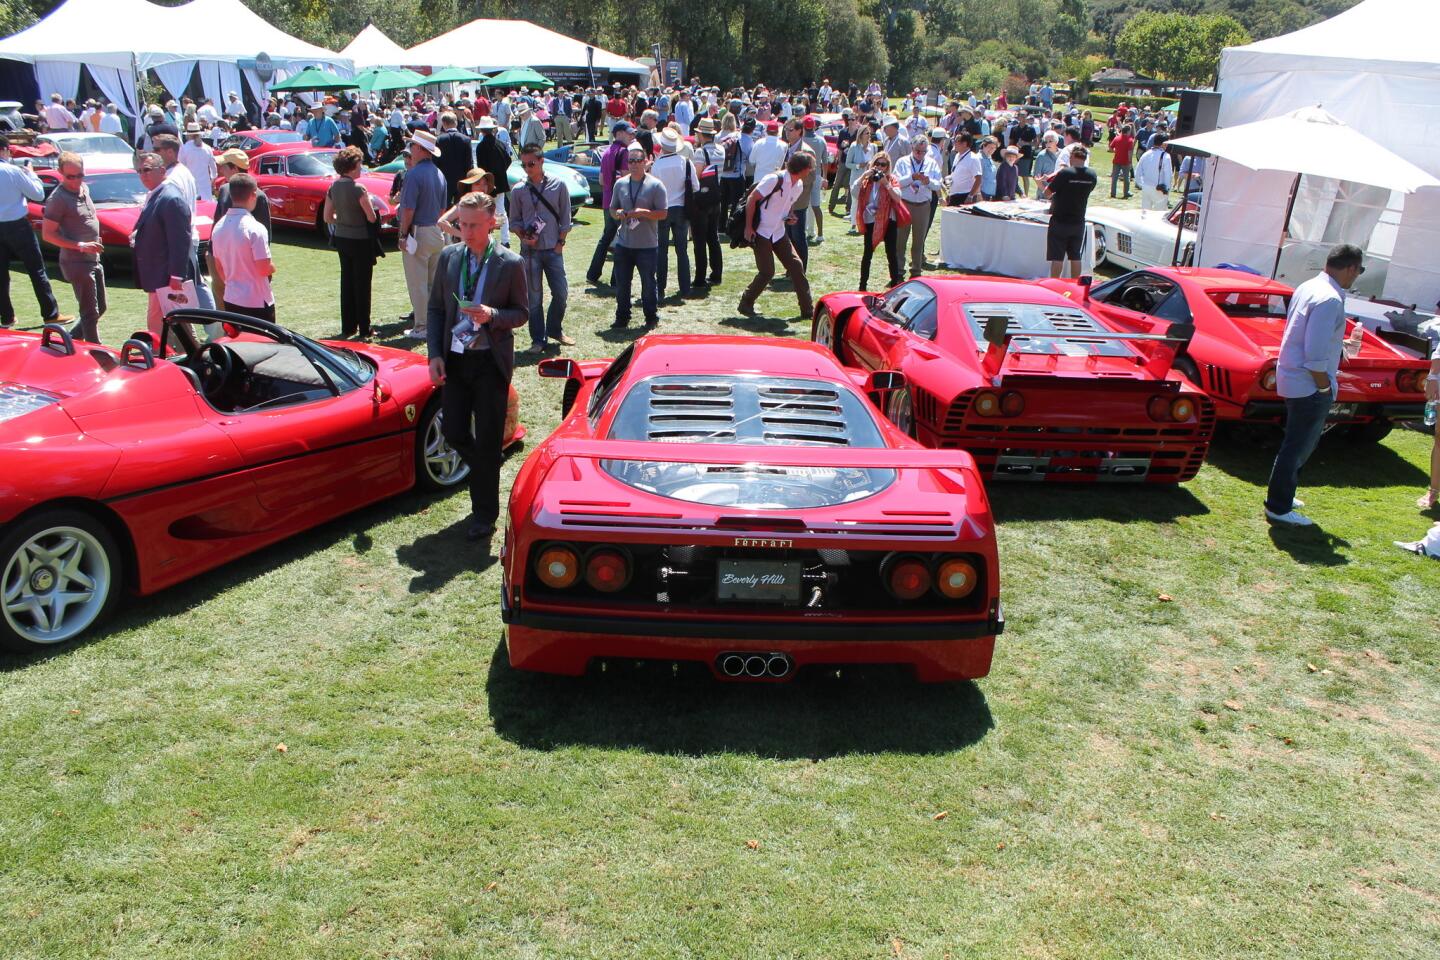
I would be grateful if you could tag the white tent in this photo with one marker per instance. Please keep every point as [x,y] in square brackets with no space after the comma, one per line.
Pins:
[118,40]
[488,45]
[371,48]
[1375,67]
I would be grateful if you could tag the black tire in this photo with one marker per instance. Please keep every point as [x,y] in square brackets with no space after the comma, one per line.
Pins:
[1369,433]
[42,555]
[437,465]
[1192,373]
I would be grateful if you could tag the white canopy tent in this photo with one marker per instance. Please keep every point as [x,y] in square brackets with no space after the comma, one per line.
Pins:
[1376,68]
[371,48]
[117,40]
[490,45]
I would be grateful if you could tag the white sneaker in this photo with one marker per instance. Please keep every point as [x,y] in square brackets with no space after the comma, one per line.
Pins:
[1297,504]
[414,334]
[1292,519]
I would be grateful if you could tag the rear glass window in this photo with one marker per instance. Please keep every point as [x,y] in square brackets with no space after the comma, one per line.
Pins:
[1250,304]
[1066,326]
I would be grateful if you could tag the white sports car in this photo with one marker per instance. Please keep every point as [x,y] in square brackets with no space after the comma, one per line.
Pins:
[1132,239]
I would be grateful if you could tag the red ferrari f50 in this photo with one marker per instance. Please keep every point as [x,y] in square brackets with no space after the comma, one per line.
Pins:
[741,503]
[136,470]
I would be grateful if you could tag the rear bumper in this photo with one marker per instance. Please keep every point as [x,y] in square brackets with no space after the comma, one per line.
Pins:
[1273,411]
[1084,457]
[567,643]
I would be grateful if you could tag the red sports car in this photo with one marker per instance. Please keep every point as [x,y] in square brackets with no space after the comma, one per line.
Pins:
[1238,319]
[741,503]
[128,470]
[295,177]
[118,198]
[1031,382]
[256,142]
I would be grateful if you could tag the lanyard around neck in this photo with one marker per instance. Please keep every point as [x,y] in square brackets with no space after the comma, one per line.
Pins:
[465,285]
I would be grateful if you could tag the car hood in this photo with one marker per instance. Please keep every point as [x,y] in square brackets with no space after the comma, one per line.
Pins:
[119,219]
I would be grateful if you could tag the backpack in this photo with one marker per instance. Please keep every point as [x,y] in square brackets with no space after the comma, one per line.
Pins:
[735,228]
[705,200]
[731,163]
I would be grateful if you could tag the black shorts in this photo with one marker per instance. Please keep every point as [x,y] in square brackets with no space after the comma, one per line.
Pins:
[1065,238]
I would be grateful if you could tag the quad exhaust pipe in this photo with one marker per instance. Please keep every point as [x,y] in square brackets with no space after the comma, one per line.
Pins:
[755,666]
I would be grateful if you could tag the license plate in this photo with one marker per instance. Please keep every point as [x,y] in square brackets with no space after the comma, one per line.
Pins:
[762,581]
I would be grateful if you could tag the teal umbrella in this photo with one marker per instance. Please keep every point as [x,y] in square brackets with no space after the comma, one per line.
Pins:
[380,80]
[518,77]
[312,79]
[454,75]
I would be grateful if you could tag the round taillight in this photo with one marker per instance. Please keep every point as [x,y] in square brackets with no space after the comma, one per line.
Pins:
[607,570]
[956,578]
[558,567]
[1182,409]
[987,404]
[1410,381]
[1012,404]
[906,577]
[1158,408]
[1267,379]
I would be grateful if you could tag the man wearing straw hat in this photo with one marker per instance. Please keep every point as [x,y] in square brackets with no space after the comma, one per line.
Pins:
[422,201]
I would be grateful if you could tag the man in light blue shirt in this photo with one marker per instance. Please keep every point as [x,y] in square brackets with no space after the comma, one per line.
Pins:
[17,238]
[1306,374]
[920,183]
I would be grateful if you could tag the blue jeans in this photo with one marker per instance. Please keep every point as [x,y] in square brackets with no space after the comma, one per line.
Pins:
[627,261]
[674,231]
[551,265]
[1304,423]
[798,239]
[607,241]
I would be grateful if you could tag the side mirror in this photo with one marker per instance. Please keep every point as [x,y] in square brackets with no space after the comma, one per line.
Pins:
[382,391]
[883,380]
[559,368]
[1085,283]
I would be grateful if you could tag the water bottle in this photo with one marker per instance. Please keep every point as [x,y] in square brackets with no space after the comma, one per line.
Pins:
[1430,412]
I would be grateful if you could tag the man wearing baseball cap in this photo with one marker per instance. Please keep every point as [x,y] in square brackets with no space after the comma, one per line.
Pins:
[768,152]
[612,167]
[422,201]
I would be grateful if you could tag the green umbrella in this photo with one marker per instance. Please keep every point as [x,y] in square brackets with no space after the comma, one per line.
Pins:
[454,75]
[1172,108]
[313,79]
[518,77]
[380,80]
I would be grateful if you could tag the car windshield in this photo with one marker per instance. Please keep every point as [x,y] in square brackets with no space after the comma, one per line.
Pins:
[278,136]
[1069,326]
[116,188]
[342,360]
[751,410]
[311,165]
[92,145]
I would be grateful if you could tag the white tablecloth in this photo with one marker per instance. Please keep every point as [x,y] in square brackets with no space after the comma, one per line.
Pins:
[1011,248]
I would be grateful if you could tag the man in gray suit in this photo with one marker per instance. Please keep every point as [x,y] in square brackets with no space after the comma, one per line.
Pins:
[479,296]
[161,239]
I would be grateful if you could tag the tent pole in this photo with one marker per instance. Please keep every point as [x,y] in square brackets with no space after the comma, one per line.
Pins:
[1285,227]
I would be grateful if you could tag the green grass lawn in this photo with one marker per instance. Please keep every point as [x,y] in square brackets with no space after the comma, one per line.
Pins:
[1200,739]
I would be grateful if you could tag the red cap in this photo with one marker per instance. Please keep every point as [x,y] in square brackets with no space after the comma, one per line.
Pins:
[772,126]
[809,122]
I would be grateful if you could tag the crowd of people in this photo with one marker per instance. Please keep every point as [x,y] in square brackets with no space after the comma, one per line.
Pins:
[682,168]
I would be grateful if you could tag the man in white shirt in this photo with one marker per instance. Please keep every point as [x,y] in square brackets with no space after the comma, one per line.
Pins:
[896,144]
[917,125]
[920,182]
[110,120]
[233,106]
[766,214]
[966,174]
[57,118]
[197,158]
[684,111]
[242,254]
[207,112]
[674,170]
[767,154]
[1153,175]
[1307,374]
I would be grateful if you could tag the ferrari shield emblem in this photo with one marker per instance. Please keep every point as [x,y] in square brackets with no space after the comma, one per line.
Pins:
[409,413]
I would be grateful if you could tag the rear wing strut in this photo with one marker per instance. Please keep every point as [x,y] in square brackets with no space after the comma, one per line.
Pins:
[1158,359]
[767,455]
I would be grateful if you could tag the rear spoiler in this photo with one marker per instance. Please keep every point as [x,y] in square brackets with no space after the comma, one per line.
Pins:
[769,455]
[1158,360]
[1408,341]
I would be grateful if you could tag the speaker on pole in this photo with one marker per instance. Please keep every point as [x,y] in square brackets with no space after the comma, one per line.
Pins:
[1199,112]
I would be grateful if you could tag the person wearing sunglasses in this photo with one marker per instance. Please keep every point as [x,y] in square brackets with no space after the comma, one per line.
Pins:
[72,224]
[878,203]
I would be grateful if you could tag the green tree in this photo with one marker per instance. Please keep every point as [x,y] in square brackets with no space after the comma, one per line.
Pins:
[1173,46]
[983,78]
[854,47]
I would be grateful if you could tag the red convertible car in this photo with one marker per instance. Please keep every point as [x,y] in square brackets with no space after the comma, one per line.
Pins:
[741,503]
[130,470]
[1238,319]
[1031,382]
[118,198]
[295,177]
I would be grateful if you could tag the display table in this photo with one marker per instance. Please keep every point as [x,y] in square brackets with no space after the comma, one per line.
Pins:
[1011,248]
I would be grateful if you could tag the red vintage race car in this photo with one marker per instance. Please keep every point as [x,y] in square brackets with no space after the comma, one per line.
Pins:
[1031,382]
[256,142]
[741,503]
[132,470]
[1238,320]
[118,198]
[296,176]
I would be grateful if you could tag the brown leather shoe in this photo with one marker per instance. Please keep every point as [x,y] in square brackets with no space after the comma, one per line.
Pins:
[566,341]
